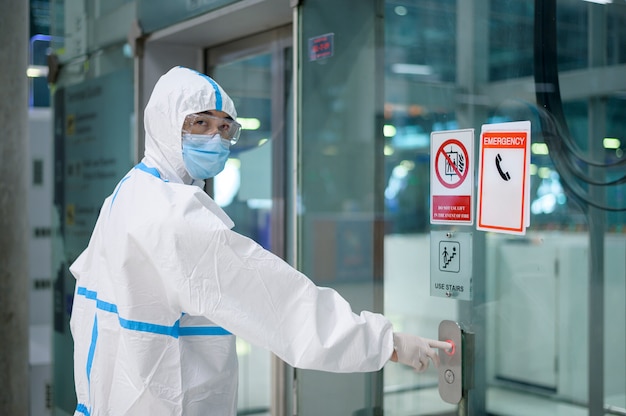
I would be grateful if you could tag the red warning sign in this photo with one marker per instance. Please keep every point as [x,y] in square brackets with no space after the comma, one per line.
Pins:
[504,178]
[451,163]
[321,47]
[451,183]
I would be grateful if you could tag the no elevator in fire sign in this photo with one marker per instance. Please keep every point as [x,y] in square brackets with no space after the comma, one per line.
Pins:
[451,178]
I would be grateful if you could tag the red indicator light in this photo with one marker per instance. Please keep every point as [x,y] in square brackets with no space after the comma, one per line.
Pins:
[452,350]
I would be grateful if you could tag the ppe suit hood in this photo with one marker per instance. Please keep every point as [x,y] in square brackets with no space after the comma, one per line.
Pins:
[178,93]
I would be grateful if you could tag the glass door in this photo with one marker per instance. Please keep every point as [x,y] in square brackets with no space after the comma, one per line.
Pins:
[256,74]
[547,309]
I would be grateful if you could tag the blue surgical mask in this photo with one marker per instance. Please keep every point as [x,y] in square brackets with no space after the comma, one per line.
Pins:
[204,156]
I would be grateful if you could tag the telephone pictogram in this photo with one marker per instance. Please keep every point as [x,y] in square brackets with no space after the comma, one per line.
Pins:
[504,175]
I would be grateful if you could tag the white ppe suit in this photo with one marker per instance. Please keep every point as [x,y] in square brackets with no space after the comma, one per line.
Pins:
[165,285]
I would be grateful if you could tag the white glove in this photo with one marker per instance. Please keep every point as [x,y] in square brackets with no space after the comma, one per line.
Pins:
[415,351]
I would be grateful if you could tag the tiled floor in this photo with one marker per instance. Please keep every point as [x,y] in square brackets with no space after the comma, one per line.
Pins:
[503,402]
[500,402]
[411,394]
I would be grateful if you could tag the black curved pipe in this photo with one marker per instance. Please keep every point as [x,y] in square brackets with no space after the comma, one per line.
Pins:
[547,89]
[552,118]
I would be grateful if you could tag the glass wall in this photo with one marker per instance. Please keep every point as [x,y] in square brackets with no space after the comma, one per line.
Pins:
[340,172]
[91,81]
[548,307]
[547,310]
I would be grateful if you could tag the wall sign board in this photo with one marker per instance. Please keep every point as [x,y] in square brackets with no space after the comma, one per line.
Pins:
[451,264]
[451,178]
[504,178]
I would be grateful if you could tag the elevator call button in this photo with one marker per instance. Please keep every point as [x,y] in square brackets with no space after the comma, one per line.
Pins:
[451,363]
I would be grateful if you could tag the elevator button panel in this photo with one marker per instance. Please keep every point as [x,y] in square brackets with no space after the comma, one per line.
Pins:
[451,362]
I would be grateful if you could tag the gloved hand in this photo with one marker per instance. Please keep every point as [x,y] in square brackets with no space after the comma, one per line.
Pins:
[416,351]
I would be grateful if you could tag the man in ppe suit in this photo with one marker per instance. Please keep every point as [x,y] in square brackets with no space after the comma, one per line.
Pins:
[165,285]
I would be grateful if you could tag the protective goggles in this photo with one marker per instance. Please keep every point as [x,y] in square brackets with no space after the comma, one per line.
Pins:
[207,124]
